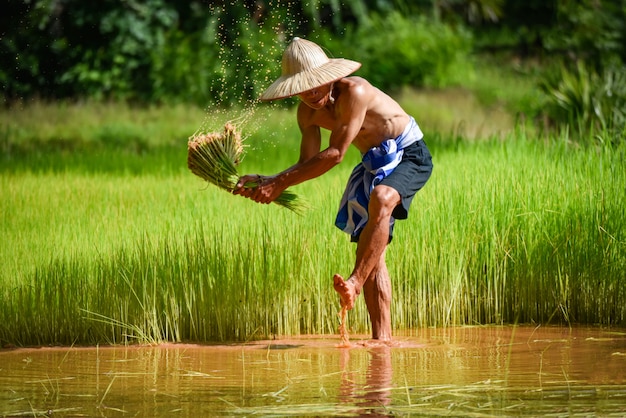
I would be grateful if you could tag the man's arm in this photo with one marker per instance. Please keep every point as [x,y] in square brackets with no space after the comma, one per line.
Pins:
[349,115]
[311,141]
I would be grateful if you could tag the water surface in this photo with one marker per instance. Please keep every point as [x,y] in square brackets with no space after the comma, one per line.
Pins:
[477,371]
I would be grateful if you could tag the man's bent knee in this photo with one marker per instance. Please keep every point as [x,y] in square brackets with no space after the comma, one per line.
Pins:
[383,200]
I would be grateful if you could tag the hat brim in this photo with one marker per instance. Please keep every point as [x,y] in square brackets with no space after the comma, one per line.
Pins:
[287,86]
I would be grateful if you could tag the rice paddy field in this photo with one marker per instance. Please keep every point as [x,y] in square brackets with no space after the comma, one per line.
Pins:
[108,238]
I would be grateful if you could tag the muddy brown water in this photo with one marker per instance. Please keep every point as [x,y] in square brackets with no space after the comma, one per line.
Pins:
[469,371]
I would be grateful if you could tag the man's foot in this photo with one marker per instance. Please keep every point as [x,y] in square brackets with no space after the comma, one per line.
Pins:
[347,291]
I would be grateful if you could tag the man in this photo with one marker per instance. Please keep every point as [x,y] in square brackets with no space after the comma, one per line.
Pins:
[396,164]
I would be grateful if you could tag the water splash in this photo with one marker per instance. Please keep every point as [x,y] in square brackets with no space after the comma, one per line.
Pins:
[251,41]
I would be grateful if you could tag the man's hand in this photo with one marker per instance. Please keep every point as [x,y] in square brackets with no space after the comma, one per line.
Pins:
[259,188]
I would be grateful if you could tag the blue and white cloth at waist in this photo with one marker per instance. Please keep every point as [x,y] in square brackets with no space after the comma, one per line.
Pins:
[376,164]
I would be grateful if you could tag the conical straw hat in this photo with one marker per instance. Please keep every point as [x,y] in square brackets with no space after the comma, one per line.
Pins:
[305,66]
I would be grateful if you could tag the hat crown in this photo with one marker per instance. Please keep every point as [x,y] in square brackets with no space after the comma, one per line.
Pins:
[302,55]
[305,66]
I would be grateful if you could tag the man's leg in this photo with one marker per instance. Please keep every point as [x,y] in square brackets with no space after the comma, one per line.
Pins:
[377,294]
[371,245]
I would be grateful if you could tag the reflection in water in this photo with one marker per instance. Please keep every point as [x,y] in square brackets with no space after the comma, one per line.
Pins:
[375,393]
[494,371]
[379,375]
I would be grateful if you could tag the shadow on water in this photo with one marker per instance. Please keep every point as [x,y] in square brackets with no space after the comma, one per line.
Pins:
[477,371]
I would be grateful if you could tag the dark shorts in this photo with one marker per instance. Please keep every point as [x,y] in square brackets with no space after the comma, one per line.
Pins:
[408,178]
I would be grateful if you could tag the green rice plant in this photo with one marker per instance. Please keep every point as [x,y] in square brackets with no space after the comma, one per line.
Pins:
[214,157]
[531,243]
[165,275]
[509,231]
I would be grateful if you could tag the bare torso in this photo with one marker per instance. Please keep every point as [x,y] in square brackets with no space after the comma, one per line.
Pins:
[355,112]
[375,116]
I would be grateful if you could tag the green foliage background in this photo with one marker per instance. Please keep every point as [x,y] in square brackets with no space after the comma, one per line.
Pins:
[221,53]
[167,50]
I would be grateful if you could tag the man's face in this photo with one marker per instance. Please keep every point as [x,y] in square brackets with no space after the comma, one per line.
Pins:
[316,98]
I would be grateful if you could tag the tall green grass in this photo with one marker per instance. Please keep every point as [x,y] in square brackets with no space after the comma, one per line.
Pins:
[517,231]
[153,257]
[511,230]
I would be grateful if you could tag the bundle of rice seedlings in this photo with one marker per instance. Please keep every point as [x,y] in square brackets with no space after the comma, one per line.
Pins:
[214,157]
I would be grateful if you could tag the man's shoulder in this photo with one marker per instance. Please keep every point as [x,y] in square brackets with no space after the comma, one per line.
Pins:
[356,89]
[353,81]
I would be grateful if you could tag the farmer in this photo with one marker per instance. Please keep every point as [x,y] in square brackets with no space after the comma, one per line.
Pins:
[396,164]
